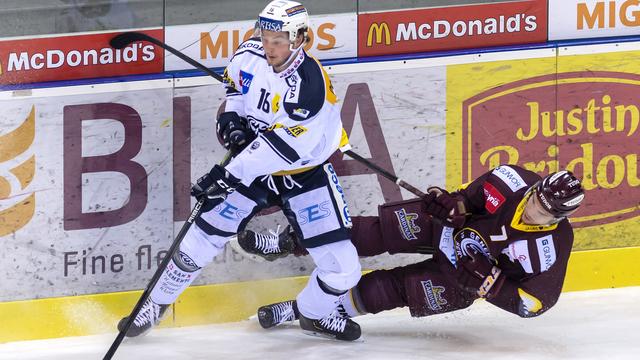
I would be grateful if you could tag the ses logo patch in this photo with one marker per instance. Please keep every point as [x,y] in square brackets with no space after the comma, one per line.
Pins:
[245,81]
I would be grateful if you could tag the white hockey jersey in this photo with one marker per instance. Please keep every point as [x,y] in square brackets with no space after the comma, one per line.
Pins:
[294,112]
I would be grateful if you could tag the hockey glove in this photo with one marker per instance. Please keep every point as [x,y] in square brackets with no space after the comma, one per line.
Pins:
[445,207]
[234,131]
[477,274]
[214,186]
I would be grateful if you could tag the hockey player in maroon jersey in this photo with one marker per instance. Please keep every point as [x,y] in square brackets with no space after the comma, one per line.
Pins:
[504,237]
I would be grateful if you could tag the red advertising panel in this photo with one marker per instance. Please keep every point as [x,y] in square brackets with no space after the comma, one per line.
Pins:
[73,57]
[449,28]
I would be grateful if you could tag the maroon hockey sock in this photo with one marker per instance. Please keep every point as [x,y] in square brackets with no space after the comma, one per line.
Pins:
[382,290]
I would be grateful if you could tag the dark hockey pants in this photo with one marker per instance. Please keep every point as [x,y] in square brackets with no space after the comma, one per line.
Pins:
[425,287]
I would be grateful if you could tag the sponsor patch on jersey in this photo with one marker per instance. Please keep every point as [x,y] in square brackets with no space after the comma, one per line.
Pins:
[407,225]
[292,95]
[338,195]
[466,239]
[275,103]
[546,252]
[250,45]
[446,244]
[295,10]
[295,131]
[510,177]
[493,198]
[245,81]
[303,113]
[519,251]
[433,295]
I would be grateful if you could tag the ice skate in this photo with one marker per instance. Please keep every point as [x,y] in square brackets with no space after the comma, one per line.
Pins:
[278,313]
[149,316]
[268,247]
[335,326]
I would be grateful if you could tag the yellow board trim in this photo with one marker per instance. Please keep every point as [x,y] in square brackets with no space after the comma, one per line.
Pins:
[95,314]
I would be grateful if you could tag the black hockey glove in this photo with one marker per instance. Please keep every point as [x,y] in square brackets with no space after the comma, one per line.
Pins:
[477,274]
[445,207]
[234,131]
[214,186]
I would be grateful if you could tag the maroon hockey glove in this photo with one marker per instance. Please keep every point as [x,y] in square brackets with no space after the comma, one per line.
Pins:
[477,274]
[445,207]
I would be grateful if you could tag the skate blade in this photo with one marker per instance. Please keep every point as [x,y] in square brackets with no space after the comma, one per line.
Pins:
[331,337]
[235,245]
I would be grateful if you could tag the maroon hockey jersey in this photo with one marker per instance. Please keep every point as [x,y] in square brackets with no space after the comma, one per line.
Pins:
[534,258]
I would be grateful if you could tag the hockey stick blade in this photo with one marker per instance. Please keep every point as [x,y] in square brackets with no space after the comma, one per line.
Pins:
[122,40]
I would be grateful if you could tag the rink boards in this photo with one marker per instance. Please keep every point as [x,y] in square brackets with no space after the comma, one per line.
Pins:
[95,177]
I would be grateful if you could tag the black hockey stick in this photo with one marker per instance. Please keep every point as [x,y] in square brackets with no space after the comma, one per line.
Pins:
[385,173]
[197,209]
[122,40]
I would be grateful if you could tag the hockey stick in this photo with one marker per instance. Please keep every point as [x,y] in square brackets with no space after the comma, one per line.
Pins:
[197,209]
[385,173]
[122,40]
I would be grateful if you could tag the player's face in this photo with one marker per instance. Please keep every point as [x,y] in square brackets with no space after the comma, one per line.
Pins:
[535,214]
[276,47]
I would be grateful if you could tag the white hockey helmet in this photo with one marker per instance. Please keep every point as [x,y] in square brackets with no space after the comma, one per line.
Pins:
[284,15]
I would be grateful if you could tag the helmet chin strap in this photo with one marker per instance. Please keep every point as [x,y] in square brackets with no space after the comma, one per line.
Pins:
[294,53]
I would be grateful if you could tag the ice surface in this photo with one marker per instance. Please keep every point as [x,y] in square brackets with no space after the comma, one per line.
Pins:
[601,324]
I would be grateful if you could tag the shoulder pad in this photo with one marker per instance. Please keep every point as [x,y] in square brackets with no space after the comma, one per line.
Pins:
[306,93]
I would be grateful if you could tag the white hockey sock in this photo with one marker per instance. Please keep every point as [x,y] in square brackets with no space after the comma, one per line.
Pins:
[172,283]
[349,305]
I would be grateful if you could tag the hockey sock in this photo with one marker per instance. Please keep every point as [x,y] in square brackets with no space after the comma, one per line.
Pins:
[352,303]
[179,274]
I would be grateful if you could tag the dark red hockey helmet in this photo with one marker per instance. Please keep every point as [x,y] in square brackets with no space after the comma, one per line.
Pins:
[560,193]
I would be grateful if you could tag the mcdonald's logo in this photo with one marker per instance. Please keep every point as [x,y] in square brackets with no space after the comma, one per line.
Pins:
[379,30]
[14,182]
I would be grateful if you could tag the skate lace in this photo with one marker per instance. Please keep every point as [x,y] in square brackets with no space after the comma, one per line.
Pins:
[268,243]
[283,312]
[150,313]
[334,322]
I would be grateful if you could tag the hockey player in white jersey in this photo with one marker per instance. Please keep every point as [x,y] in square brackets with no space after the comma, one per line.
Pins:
[281,107]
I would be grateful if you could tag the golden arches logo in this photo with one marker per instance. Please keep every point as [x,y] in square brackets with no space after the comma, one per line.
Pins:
[379,30]
[12,145]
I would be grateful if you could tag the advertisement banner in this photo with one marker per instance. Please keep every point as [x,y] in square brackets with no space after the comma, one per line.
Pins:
[72,57]
[579,112]
[330,37]
[575,19]
[94,187]
[453,27]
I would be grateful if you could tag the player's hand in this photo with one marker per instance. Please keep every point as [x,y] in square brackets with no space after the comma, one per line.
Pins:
[234,131]
[477,274]
[215,185]
[445,207]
